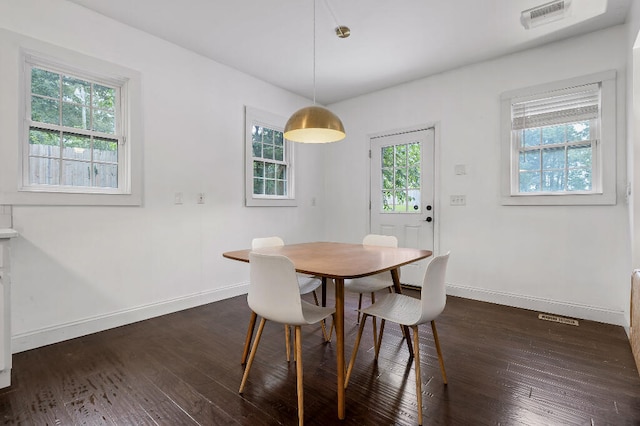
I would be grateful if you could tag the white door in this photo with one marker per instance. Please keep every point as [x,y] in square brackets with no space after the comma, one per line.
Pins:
[402,193]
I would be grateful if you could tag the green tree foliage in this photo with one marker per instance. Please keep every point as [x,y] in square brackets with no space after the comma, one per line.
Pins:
[556,158]
[400,174]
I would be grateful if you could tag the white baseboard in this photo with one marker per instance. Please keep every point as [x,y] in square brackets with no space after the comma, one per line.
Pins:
[49,335]
[573,310]
[58,333]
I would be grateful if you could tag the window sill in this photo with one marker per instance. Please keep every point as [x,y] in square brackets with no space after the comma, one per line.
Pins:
[30,198]
[559,200]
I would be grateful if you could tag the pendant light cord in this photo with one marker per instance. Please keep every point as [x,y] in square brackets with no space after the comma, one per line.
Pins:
[314,52]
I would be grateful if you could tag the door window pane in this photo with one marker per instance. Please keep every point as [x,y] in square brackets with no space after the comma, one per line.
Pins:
[401,178]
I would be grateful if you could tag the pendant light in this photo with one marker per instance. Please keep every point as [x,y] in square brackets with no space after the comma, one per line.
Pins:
[314,124]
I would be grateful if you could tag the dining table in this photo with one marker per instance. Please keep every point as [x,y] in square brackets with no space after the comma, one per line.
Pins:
[341,261]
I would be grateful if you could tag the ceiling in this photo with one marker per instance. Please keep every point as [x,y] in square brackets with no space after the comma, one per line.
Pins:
[391,42]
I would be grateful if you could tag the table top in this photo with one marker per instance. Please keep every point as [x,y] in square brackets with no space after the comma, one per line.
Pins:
[339,260]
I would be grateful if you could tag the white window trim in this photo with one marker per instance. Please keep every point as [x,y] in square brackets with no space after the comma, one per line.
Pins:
[605,184]
[12,189]
[275,122]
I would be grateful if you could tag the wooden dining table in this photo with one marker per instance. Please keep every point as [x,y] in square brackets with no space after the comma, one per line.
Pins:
[340,261]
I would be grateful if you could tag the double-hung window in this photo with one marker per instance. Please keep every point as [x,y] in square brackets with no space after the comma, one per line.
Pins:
[561,144]
[75,131]
[269,161]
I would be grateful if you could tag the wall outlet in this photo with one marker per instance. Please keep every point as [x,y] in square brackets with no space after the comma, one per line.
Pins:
[460,169]
[458,200]
[201,198]
[178,198]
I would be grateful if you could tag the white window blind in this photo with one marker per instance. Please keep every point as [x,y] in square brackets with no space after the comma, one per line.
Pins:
[564,106]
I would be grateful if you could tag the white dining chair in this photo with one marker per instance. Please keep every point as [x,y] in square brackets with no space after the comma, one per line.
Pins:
[410,311]
[372,283]
[306,284]
[274,295]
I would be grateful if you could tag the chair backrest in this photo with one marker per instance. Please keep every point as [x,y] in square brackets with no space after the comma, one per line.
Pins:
[380,240]
[383,241]
[274,293]
[433,295]
[257,243]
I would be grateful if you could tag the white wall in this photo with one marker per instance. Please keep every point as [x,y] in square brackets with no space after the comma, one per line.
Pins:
[633,125]
[570,260]
[81,269]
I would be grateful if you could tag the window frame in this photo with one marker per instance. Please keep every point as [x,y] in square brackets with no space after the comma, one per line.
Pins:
[14,48]
[254,116]
[604,175]
[120,84]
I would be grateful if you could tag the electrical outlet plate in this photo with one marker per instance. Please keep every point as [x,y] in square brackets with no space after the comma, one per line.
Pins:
[458,200]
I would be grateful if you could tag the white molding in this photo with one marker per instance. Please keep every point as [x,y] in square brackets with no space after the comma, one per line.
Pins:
[607,150]
[58,333]
[557,307]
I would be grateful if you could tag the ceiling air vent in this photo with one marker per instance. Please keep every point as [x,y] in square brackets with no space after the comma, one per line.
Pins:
[545,13]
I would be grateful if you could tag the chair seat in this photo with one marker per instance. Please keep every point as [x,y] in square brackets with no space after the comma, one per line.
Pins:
[308,283]
[368,284]
[311,314]
[398,308]
[314,314]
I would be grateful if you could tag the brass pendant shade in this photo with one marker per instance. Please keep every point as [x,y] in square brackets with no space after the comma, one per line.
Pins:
[314,124]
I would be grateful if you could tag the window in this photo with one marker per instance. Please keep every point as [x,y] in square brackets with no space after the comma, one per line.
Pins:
[560,143]
[269,161]
[74,132]
[73,124]
[401,178]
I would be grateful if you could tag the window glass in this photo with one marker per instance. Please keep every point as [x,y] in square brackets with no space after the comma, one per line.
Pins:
[269,168]
[401,180]
[68,118]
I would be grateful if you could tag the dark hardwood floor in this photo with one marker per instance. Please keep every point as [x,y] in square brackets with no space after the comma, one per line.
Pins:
[504,365]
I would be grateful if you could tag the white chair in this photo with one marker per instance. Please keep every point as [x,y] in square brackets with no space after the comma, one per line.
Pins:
[372,283]
[307,284]
[410,311]
[274,295]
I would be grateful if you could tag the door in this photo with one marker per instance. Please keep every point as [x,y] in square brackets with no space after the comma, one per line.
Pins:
[402,193]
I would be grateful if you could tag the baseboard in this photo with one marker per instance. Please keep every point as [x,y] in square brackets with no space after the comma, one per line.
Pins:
[58,333]
[573,310]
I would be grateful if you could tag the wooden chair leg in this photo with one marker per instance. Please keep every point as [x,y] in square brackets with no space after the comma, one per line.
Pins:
[356,345]
[298,344]
[247,340]
[252,355]
[287,341]
[333,320]
[359,306]
[416,351]
[377,348]
[375,322]
[435,338]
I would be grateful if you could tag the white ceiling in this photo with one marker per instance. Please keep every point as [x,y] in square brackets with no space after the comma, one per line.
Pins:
[392,41]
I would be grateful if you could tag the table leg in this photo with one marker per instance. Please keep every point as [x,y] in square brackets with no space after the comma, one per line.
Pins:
[324,291]
[405,330]
[339,322]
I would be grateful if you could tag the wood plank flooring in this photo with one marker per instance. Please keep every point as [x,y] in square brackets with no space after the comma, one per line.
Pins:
[504,365]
